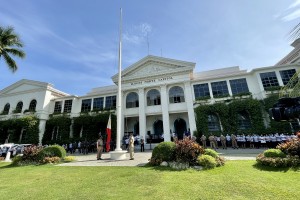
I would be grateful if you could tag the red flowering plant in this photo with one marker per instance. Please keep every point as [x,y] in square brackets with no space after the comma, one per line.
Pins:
[187,151]
[291,147]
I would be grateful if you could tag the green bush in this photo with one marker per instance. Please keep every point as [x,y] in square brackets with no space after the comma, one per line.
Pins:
[207,161]
[164,151]
[53,151]
[274,153]
[69,158]
[211,153]
[272,162]
[220,161]
[187,151]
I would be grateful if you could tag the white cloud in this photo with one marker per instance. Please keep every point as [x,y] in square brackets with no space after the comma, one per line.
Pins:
[294,15]
[137,34]
[291,12]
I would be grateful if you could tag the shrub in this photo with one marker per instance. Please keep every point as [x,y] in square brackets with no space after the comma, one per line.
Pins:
[220,161]
[187,151]
[207,161]
[51,160]
[69,158]
[274,153]
[272,162]
[53,151]
[291,147]
[211,153]
[31,154]
[164,151]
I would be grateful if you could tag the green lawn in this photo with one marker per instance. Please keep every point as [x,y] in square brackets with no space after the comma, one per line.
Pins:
[236,180]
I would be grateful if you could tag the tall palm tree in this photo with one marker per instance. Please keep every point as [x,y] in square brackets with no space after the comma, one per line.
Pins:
[10,44]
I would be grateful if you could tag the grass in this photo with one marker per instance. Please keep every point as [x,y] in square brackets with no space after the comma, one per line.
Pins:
[236,180]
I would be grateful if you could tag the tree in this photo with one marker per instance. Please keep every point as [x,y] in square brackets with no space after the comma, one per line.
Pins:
[10,44]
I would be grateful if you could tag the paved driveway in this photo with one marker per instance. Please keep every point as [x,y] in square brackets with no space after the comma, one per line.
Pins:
[141,158]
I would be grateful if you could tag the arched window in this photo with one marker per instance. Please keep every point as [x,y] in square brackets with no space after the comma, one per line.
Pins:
[153,97]
[19,107]
[176,95]
[132,100]
[6,109]
[32,105]
[213,123]
[244,121]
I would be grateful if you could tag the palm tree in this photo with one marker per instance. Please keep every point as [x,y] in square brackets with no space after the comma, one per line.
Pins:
[10,44]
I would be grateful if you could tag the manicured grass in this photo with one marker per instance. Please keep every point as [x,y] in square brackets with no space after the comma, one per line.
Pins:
[236,180]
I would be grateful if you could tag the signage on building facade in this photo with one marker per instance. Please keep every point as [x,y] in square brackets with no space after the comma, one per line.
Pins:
[152,81]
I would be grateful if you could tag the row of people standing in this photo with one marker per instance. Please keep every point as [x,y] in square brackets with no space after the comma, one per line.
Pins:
[245,141]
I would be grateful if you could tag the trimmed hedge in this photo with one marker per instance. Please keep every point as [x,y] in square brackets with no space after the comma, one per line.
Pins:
[54,151]
[207,161]
[164,151]
[274,153]
[211,153]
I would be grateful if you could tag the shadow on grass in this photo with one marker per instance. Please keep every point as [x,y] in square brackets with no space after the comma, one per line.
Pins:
[170,169]
[274,169]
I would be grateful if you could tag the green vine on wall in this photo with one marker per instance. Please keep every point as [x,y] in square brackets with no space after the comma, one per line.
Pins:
[14,127]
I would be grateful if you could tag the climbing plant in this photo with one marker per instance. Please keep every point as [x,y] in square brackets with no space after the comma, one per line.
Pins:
[57,130]
[202,112]
[251,107]
[27,126]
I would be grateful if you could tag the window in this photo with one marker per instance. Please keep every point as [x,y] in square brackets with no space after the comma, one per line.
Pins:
[132,100]
[201,90]
[219,89]
[110,102]
[98,103]
[153,97]
[32,105]
[86,105]
[269,79]
[19,107]
[68,106]
[244,121]
[176,95]
[213,123]
[57,107]
[6,109]
[286,75]
[239,86]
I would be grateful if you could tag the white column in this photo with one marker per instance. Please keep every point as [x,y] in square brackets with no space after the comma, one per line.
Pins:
[165,112]
[142,115]
[229,87]
[190,107]
[280,82]
[42,127]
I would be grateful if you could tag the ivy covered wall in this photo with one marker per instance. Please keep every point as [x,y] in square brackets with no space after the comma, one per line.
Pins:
[84,127]
[228,116]
[25,128]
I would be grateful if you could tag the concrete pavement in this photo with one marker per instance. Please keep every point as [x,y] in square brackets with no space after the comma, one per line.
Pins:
[141,158]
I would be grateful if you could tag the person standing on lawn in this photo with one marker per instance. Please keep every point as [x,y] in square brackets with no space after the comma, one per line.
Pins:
[131,146]
[99,148]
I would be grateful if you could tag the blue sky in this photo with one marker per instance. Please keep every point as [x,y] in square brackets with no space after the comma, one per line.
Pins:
[73,44]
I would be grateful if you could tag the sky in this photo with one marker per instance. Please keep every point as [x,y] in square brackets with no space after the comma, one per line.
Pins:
[73,44]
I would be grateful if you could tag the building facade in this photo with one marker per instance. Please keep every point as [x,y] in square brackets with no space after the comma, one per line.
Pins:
[159,94]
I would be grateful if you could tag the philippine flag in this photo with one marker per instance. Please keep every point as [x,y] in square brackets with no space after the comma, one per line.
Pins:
[108,132]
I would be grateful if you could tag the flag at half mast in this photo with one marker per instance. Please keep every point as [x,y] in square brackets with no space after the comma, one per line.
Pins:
[108,133]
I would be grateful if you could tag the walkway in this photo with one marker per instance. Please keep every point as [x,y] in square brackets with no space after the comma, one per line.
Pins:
[141,158]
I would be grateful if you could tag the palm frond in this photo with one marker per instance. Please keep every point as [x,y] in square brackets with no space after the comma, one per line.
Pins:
[10,62]
[16,52]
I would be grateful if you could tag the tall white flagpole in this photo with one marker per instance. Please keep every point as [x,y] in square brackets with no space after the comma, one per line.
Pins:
[119,154]
[119,99]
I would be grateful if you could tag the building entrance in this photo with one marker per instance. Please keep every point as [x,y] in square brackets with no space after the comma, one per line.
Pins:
[180,128]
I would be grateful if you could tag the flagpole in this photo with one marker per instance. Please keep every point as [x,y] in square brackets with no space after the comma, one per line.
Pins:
[119,100]
[119,154]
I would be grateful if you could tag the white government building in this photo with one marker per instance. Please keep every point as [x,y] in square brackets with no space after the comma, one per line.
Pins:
[159,94]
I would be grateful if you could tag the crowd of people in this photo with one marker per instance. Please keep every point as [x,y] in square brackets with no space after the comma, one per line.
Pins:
[245,141]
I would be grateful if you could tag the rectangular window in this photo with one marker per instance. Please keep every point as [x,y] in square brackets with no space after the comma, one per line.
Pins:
[86,105]
[68,106]
[219,89]
[239,86]
[269,79]
[201,90]
[57,107]
[98,103]
[286,75]
[110,102]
